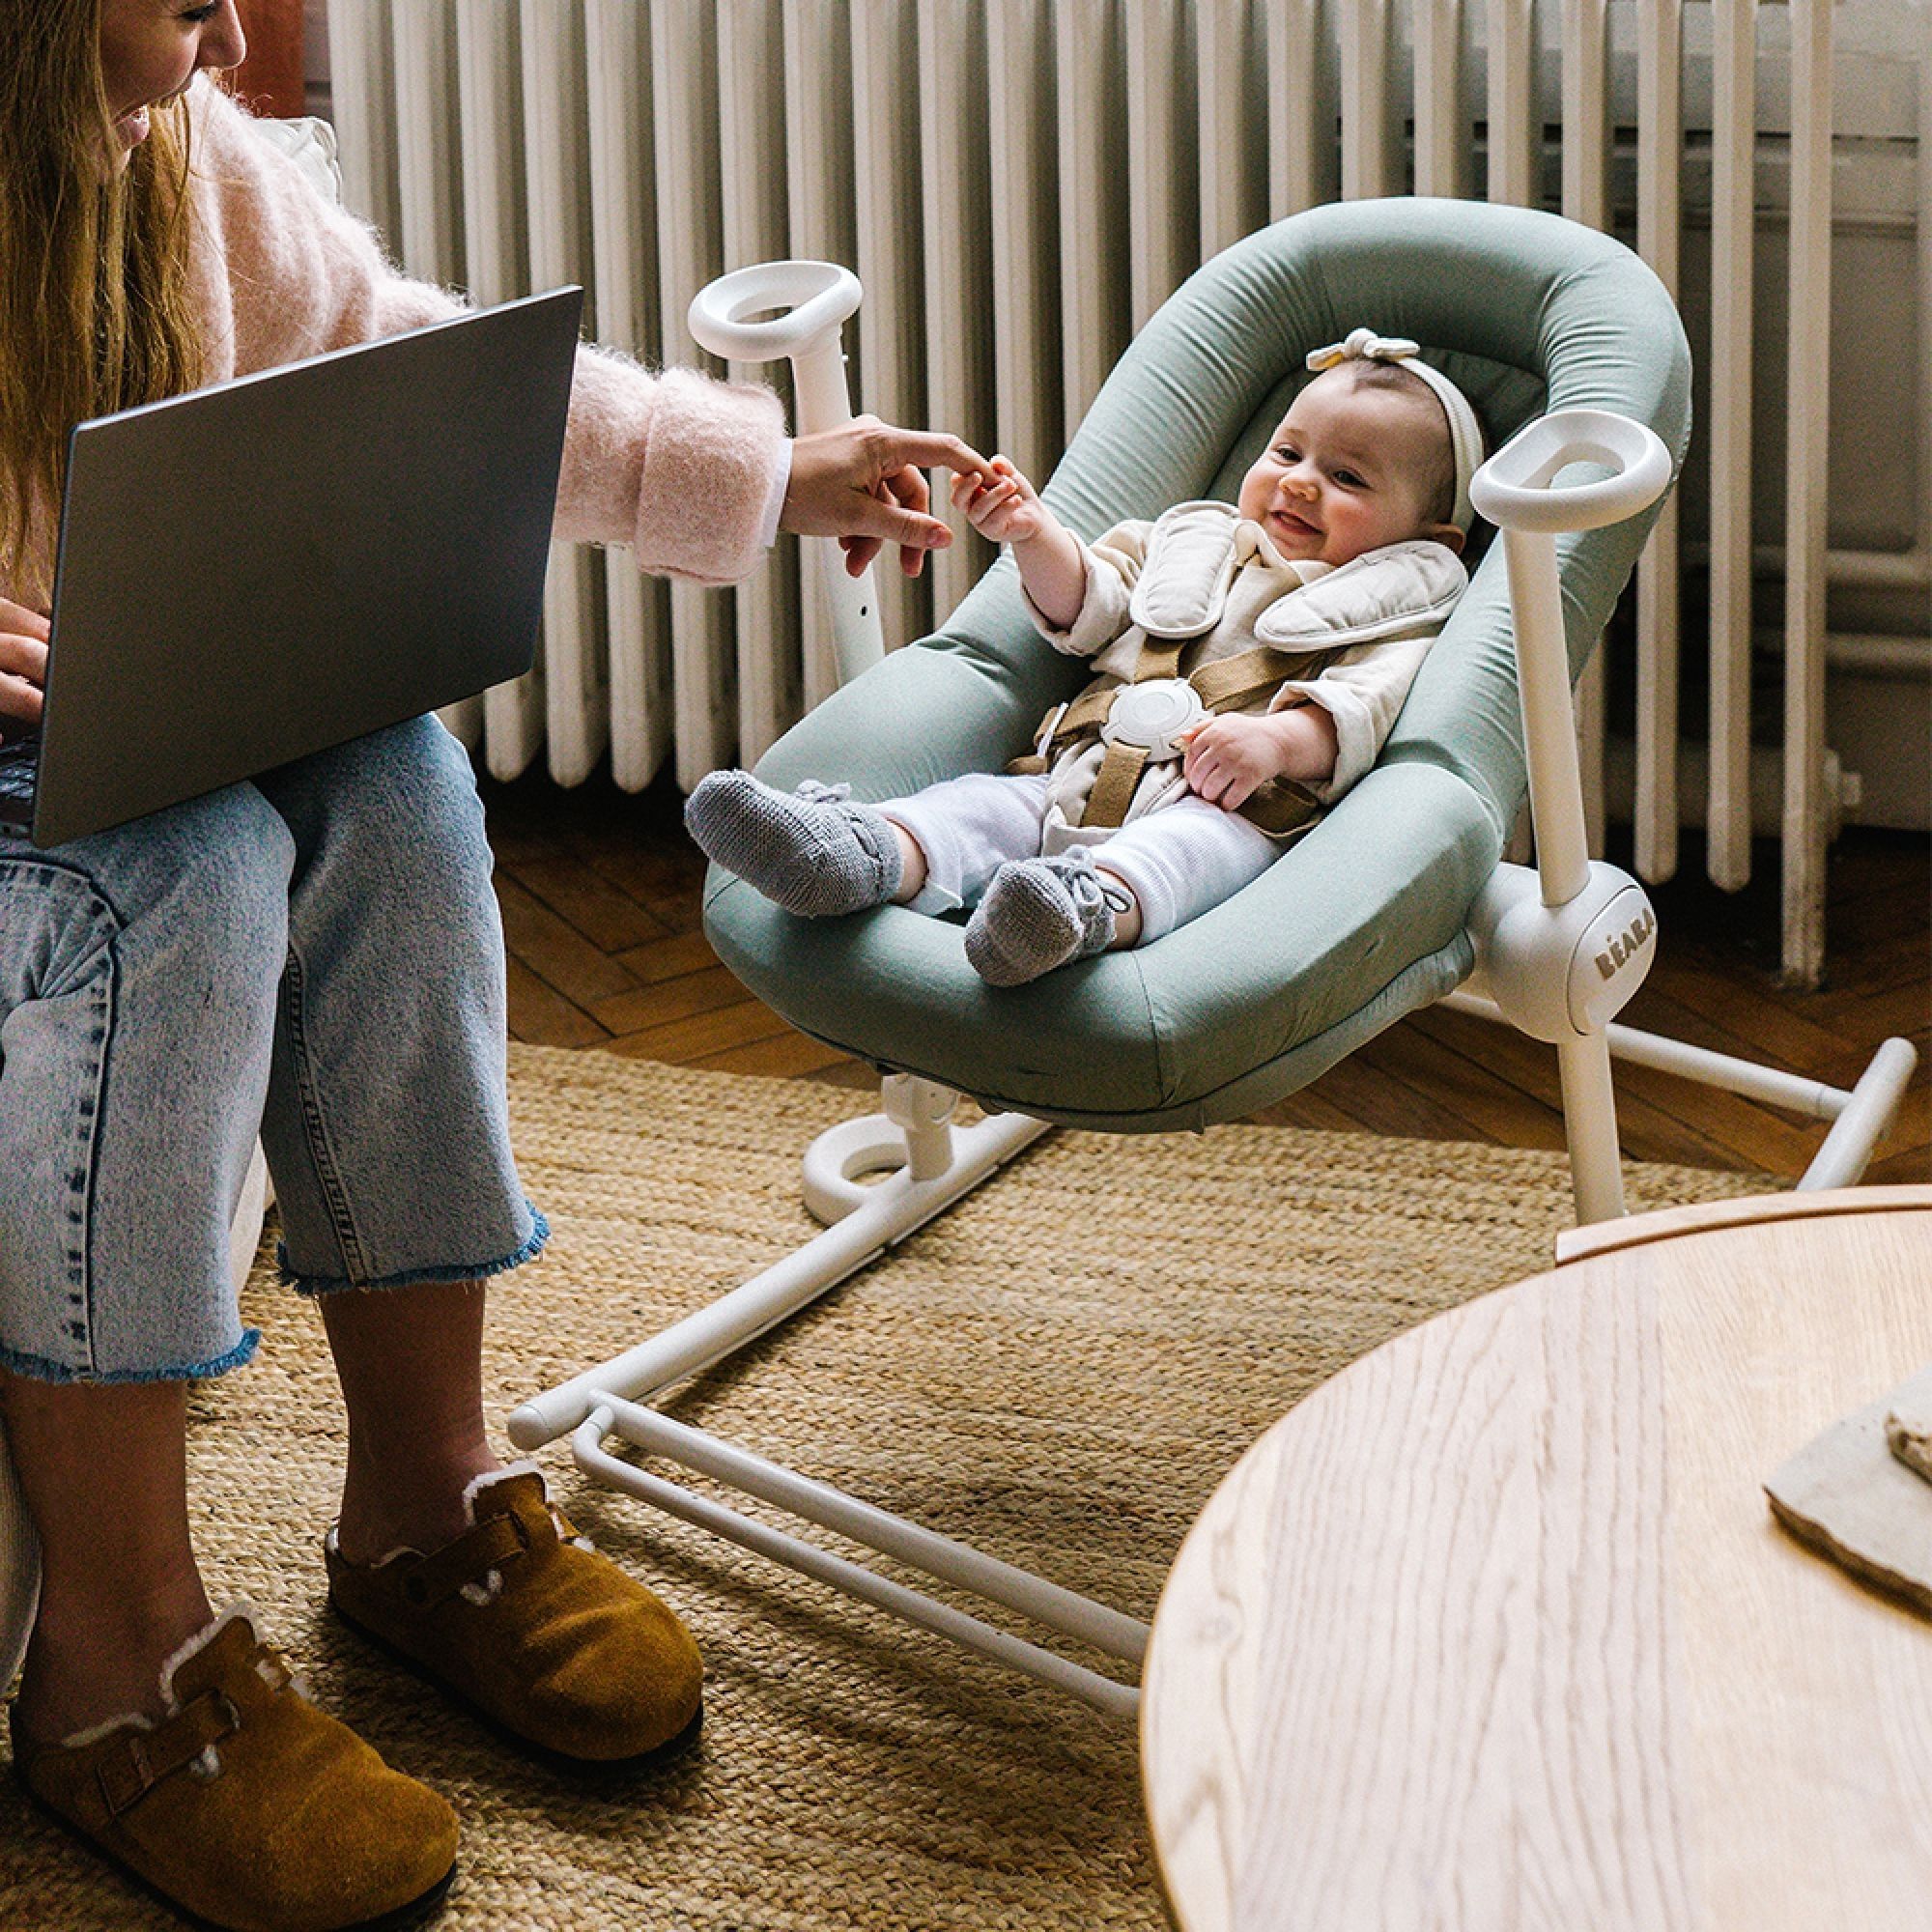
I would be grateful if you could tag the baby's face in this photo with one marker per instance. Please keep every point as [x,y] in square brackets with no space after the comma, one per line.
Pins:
[1345,472]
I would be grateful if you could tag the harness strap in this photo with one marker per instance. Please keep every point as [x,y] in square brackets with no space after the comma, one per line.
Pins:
[1160,657]
[1229,683]
[1226,684]
[1279,807]
[1060,727]
[1082,717]
[1114,785]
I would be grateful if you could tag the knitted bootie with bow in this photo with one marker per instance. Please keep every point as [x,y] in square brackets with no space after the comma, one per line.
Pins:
[814,851]
[1039,914]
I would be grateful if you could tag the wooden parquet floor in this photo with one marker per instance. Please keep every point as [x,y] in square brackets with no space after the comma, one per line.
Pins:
[600,892]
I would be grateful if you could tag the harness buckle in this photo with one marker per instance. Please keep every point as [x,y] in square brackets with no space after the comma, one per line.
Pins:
[1155,717]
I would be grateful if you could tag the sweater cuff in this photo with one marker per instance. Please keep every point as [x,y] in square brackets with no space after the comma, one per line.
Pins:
[768,533]
[1355,745]
[709,462]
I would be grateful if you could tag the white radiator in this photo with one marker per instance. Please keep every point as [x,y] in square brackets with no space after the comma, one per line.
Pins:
[1019,184]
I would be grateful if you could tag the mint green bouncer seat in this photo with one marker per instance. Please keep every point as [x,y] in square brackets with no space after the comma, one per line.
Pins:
[1391,901]
[1363,918]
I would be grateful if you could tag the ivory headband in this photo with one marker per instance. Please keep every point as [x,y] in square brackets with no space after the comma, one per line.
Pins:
[1465,435]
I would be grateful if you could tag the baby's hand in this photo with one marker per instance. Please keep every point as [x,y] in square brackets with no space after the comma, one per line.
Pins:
[1005,509]
[1231,757]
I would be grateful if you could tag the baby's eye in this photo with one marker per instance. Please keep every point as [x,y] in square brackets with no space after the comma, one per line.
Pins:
[1286,453]
[1349,481]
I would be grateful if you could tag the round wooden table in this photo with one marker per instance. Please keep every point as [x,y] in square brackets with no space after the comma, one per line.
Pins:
[1496,1630]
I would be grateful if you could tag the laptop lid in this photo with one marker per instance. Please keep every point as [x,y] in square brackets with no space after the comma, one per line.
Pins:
[259,570]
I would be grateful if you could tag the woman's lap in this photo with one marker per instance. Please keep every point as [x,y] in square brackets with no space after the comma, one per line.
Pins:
[318,953]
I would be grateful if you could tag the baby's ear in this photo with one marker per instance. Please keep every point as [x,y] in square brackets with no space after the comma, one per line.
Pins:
[1448,536]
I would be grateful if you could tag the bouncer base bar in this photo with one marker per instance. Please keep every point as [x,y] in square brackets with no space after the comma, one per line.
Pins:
[1860,1113]
[886,1214]
[1868,1111]
[908,1543]
[983,1639]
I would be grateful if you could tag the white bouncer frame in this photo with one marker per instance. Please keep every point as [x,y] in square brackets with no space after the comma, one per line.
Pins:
[1558,950]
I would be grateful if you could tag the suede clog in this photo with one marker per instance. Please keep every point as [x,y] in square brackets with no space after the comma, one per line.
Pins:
[244,1806]
[522,1618]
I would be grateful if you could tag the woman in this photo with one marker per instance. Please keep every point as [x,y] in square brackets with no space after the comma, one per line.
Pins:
[318,952]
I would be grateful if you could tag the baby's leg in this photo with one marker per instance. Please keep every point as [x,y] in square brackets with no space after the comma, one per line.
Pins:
[818,852]
[1148,878]
[956,836]
[1177,863]
[1044,912]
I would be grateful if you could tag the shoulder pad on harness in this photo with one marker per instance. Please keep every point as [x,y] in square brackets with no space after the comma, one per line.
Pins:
[1401,589]
[1190,562]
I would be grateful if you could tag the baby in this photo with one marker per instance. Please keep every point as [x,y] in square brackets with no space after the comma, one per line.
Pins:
[1251,659]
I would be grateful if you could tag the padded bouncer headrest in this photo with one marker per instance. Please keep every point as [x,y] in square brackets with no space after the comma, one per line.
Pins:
[1362,919]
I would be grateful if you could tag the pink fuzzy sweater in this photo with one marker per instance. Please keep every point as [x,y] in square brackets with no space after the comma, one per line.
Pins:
[675,465]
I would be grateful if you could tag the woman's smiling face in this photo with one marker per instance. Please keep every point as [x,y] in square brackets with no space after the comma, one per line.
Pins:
[151,49]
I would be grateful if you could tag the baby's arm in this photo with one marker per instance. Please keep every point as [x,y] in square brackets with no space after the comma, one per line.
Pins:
[1052,563]
[1231,757]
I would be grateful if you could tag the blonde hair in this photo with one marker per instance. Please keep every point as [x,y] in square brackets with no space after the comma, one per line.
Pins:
[95,314]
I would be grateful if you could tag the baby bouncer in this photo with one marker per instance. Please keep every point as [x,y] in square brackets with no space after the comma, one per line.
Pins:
[1573,351]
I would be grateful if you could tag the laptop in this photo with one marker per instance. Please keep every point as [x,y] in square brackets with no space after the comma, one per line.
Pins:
[262,569]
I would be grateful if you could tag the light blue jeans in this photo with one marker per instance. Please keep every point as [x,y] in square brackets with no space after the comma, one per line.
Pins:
[317,953]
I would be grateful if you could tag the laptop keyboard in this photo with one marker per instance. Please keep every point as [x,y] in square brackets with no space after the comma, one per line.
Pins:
[18,758]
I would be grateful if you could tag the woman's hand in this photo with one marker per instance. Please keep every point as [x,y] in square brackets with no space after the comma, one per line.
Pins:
[1003,507]
[1229,758]
[861,483]
[23,661]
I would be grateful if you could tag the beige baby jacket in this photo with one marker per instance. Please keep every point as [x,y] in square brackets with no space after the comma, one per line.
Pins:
[1202,572]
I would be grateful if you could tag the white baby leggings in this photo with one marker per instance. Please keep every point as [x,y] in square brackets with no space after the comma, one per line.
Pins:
[1179,860]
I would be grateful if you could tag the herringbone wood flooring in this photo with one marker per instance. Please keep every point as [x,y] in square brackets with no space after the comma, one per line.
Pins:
[600,896]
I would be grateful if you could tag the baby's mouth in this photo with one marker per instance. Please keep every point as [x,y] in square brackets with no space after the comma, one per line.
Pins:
[1295,525]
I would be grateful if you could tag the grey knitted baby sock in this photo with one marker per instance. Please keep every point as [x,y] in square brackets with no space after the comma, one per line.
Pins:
[1039,914]
[814,851]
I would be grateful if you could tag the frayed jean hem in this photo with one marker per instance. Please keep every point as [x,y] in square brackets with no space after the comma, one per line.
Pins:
[38,1369]
[314,1285]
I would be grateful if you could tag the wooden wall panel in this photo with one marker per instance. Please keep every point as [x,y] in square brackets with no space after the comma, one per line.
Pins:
[271,78]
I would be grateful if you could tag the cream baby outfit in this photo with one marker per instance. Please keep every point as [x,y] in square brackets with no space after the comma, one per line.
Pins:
[1200,586]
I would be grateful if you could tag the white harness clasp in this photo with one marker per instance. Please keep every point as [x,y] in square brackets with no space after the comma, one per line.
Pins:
[1154,716]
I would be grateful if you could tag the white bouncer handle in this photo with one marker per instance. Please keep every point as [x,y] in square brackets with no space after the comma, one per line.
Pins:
[1516,487]
[796,310]
[1516,491]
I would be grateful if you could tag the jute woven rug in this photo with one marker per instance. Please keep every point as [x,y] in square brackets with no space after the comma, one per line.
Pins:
[1059,1370]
